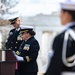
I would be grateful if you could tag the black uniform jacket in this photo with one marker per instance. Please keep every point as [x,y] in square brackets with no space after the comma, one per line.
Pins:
[12,42]
[56,66]
[29,51]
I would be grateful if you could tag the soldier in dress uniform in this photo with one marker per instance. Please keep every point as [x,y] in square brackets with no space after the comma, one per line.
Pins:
[63,59]
[13,41]
[28,52]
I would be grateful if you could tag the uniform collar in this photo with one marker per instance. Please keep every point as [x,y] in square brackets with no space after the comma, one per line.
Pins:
[29,38]
[69,25]
[18,29]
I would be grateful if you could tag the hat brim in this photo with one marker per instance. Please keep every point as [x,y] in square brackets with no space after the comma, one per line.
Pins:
[13,21]
[22,32]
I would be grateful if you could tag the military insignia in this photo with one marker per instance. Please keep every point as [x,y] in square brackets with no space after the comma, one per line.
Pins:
[27,58]
[26,47]
[18,53]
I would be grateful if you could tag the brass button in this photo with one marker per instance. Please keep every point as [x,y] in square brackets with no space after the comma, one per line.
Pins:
[16,42]
[15,47]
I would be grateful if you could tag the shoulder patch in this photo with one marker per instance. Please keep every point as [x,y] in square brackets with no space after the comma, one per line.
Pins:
[10,33]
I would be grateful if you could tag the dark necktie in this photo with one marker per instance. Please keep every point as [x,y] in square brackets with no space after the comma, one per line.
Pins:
[21,46]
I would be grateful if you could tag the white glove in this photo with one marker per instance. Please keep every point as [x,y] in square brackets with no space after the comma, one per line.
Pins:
[19,58]
[14,53]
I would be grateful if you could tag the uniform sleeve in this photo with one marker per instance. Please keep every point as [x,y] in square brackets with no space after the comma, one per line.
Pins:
[34,48]
[7,44]
[55,65]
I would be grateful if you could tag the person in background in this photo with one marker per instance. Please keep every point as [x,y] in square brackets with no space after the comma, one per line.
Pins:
[63,59]
[13,41]
[28,52]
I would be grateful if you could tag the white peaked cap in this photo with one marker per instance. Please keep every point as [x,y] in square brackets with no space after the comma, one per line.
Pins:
[13,16]
[10,16]
[26,27]
[68,5]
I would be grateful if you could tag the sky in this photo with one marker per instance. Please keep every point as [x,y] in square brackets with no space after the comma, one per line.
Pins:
[34,7]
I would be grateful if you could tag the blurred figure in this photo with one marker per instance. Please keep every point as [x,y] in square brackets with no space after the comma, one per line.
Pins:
[63,59]
[13,41]
[28,52]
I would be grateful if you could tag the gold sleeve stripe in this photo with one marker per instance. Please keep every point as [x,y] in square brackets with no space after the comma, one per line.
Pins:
[24,31]
[27,58]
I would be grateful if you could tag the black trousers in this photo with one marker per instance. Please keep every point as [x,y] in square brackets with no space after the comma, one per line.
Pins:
[16,72]
[28,73]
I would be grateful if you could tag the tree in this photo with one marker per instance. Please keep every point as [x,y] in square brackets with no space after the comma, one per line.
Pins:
[5,6]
